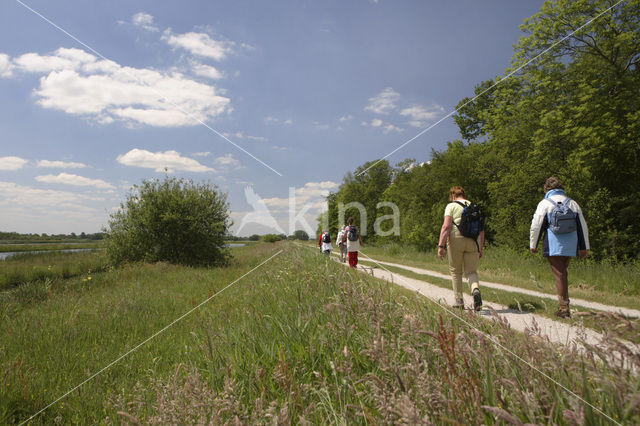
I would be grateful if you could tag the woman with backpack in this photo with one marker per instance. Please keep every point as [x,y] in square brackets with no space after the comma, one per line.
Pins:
[560,220]
[463,251]
[354,242]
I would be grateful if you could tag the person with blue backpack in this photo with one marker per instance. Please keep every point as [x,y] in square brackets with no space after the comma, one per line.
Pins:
[559,221]
[463,233]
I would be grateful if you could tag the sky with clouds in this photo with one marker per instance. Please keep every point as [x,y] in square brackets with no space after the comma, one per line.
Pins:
[270,101]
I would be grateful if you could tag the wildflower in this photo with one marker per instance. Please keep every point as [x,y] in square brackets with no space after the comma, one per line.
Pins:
[89,278]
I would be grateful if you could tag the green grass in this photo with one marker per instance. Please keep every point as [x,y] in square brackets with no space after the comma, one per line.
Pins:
[299,339]
[31,267]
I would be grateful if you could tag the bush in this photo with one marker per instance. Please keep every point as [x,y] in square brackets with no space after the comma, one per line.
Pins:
[173,220]
[271,238]
[300,235]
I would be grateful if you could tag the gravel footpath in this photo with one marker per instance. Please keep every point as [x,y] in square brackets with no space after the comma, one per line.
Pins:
[563,332]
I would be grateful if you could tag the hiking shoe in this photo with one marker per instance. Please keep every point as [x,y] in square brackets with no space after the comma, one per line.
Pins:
[477,300]
[459,304]
[563,312]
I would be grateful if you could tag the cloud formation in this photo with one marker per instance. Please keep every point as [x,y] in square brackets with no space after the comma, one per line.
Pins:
[419,115]
[199,44]
[144,21]
[384,102]
[60,164]
[12,163]
[75,180]
[80,83]
[171,161]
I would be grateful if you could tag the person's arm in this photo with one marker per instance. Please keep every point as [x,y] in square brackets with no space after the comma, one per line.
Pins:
[447,224]
[536,227]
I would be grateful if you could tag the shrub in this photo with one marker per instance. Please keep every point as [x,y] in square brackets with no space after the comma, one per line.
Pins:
[300,235]
[173,220]
[271,238]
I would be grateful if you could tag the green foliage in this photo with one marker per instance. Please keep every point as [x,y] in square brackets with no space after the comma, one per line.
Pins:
[254,237]
[300,235]
[173,220]
[573,112]
[271,238]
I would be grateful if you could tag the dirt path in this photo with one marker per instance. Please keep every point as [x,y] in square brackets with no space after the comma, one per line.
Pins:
[574,302]
[563,332]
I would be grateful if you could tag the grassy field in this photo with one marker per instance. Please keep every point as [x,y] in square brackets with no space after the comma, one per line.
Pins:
[33,268]
[299,339]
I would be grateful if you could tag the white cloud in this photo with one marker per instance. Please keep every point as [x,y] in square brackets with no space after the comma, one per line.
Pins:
[60,164]
[320,126]
[12,163]
[6,67]
[384,102]
[312,194]
[274,120]
[206,71]
[199,44]
[379,124]
[279,148]
[77,83]
[344,118]
[27,209]
[227,160]
[201,154]
[144,21]
[258,138]
[391,128]
[75,180]
[159,161]
[420,115]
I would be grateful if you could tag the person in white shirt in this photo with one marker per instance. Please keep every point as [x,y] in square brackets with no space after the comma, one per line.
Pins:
[561,245]
[342,243]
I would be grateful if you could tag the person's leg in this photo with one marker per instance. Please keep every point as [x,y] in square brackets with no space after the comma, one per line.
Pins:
[559,265]
[353,258]
[470,265]
[455,254]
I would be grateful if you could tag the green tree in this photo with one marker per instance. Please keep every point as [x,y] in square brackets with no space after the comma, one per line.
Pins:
[173,220]
[300,235]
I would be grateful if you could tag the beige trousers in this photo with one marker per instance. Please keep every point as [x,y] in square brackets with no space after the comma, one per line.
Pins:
[463,258]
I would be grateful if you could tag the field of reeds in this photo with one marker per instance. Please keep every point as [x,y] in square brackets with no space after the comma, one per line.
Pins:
[298,340]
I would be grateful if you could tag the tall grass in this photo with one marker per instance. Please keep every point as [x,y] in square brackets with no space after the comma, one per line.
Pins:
[300,340]
[28,267]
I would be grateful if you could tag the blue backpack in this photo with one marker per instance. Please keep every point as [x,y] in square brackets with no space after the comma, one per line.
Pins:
[562,220]
[472,221]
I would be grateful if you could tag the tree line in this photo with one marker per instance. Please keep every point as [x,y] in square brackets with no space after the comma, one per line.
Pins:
[568,105]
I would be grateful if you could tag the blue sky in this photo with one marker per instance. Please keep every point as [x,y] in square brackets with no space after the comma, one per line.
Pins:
[262,98]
